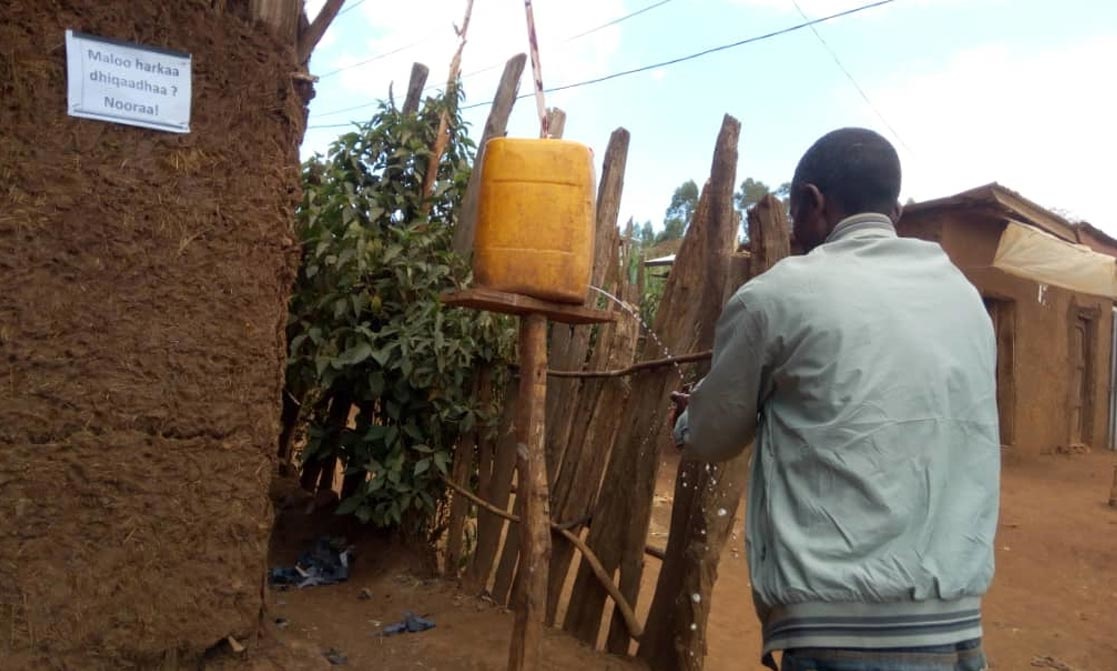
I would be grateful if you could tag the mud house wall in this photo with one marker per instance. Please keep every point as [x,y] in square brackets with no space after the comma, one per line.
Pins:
[1041,367]
[145,278]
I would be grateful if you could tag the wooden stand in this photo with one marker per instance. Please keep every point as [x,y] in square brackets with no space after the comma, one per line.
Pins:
[532,492]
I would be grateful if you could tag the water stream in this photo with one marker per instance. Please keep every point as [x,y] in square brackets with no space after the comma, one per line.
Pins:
[644,325]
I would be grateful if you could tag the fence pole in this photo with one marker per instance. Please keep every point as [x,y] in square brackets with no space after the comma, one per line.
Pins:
[706,500]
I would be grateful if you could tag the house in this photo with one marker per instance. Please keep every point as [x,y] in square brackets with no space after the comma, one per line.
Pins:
[1049,286]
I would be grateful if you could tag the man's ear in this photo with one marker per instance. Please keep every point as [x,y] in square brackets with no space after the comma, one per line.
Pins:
[897,212]
[813,199]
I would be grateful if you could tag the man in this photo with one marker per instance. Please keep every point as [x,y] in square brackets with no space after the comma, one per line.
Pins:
[865,371]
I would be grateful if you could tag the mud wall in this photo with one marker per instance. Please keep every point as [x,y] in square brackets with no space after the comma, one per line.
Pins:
[1042,321]
[144,283]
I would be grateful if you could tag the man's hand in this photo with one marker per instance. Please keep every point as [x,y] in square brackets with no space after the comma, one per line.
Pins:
[679,400]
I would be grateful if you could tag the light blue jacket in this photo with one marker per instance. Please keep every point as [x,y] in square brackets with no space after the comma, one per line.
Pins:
[866,373]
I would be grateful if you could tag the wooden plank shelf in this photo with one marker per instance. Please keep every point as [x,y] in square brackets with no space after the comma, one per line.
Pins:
[481,298]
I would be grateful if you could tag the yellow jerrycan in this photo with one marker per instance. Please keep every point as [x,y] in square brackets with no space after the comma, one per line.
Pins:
[536,219]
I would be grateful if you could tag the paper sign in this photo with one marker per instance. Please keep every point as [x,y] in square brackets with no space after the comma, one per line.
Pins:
[127,83]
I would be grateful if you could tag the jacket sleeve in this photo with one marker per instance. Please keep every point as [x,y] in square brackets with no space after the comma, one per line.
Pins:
[720,420]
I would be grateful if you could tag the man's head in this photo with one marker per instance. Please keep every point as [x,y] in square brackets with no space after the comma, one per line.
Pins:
[848,171]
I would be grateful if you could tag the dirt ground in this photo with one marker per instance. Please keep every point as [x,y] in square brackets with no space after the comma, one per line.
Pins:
[1053,596]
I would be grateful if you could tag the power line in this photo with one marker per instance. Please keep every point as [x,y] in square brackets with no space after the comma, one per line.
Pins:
[377,57]
[705,52]
[479,71]
[850,77]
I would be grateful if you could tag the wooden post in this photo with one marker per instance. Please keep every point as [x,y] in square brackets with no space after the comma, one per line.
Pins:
[618,533]
[463,466]
[1113,490]
[556,122]
[535,532]
[489,526]
[707,497]
[569,347]
[415,86]
[532,495]
[495,126]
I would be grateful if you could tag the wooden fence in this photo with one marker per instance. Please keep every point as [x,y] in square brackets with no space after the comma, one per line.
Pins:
[607,401]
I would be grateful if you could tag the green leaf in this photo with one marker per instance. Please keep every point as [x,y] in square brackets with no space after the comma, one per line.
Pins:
[354,355]
[376,382]
[381,355]
[349,505]
[422,466]
[441,460]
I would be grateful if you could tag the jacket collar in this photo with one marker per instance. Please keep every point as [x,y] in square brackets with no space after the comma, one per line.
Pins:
[868,224]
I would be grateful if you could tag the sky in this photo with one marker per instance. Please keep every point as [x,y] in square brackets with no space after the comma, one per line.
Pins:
[1021,92]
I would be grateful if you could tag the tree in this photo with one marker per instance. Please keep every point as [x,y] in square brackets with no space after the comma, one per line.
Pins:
[673,229]
[679,213]
[683,202]
[647,234]
[751,192]
[367,328]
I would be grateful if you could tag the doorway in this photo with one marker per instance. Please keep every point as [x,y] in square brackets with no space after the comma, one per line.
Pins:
[1082,350]
[1003,314]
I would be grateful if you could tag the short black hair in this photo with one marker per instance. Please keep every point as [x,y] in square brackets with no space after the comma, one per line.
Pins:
[855,168]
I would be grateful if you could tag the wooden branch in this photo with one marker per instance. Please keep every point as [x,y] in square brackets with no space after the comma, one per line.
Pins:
[635,368]
[442,138]
[495,126]
[634,627]
[658,553]
[309,38]
[415,86]
[626,610]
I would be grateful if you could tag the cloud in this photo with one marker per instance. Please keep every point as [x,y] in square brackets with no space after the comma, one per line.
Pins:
[1037,121]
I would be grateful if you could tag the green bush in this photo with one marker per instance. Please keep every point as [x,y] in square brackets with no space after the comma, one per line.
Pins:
[366,327]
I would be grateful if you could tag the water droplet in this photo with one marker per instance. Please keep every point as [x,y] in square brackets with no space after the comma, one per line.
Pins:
[696,597]
[722,512]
